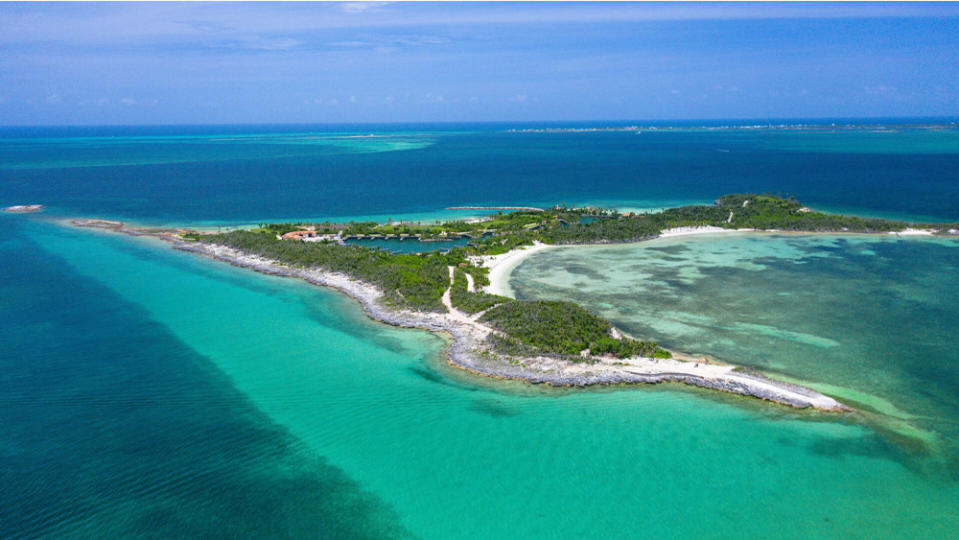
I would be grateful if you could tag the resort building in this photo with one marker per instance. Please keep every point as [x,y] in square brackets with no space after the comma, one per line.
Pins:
[299,235]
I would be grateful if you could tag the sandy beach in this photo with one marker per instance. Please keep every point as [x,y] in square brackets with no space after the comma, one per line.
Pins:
[469,350]
[689,231]
[500,266]
[914,232]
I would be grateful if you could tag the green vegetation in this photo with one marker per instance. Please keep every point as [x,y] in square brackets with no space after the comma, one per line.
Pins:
[769,212]
[278,229]
[480,274]
[624,348]
[471,302]
[530,327]
[752,211]
[551,326]
[412,281]
[195,237]
[562,328]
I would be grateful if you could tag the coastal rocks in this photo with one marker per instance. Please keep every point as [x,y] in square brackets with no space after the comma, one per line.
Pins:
[367,295]
[554,373]
[470,351]
[23,208]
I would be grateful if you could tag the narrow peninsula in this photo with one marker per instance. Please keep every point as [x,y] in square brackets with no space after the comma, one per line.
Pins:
[460,291]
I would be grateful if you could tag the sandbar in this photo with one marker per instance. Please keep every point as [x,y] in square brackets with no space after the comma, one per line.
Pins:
[23,208]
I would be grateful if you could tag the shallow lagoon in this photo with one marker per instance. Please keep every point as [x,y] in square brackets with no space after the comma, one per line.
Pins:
[149,392]
[396,245]
[875,315]
[353,418]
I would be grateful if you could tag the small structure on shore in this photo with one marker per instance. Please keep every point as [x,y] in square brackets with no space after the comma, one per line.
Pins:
[308,235]
[299,235]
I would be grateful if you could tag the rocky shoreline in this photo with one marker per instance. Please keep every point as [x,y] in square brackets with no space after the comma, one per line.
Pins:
[468,351]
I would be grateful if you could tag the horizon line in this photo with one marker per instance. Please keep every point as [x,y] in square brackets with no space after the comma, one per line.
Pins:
[759,120]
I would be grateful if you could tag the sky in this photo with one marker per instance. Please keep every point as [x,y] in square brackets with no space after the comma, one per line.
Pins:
[210,63]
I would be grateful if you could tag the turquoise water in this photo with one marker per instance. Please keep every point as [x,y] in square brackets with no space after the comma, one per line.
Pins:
[147,392]
[24,153]
[409,245]
[153,392]
[232,174]
[875,315]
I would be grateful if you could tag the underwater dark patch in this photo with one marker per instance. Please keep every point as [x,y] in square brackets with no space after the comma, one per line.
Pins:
[429,375]
[673,249]
[492,408]
[115,428]
[582,270]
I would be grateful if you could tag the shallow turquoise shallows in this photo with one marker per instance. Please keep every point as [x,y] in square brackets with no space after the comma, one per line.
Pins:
[146,392]
[281,402]
[868,319]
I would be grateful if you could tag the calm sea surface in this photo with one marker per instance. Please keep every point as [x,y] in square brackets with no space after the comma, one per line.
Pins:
[147,392]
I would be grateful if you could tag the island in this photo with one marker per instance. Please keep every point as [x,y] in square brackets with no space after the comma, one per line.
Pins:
[458,292]
[23,208]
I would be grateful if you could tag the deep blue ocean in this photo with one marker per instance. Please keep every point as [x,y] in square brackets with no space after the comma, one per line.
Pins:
[146,392]
[221,174]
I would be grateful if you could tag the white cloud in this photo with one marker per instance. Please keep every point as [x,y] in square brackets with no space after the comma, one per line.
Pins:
[53,99]
[390,43]
[361,7]
[128,101]
[126,24]
[267,26]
